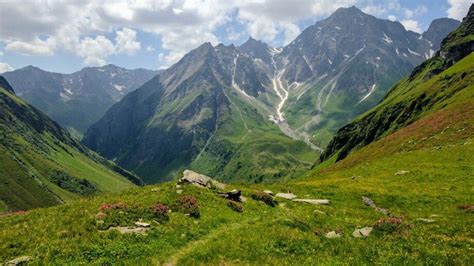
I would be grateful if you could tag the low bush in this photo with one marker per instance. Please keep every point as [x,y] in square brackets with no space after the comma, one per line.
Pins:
[188,204]
[263,197]
[235,206]
[160,211]
[388,225]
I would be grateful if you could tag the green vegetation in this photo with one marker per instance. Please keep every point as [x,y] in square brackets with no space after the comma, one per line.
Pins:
[439,180]
[41,165]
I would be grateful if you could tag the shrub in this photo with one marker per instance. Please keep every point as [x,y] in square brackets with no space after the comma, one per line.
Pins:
[160,211]
[235,206]
[388,225]
[263,197]
[188,205]
[114,206]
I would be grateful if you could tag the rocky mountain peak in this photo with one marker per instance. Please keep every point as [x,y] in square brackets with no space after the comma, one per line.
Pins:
[438,30]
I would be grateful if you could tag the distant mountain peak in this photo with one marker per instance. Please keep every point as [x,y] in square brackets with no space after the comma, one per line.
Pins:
[438,29]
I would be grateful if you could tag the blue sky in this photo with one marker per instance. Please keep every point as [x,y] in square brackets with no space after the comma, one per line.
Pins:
[65,36]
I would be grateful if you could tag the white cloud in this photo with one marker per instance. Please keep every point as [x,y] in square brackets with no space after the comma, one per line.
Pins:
[458,8]
[126,41]
[392,17]
[412,25]
[233,35]
[376,10]
[35,47]
[94,51]
[1,53]
[419,10]
[291,31]
[150,48]
[4,67]
[265,19]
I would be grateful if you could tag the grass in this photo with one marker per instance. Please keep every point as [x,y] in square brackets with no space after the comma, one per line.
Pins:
[438,181]
[41,165]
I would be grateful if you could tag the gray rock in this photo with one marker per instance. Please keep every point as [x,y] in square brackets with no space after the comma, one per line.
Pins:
[200,180]
[362,232]
[269,192]
[333,234]
[402,172]
[288,196]
[314,201]
[19,261]
[424,220]
[130,230]
[234,195]
[142,224]
[369,202]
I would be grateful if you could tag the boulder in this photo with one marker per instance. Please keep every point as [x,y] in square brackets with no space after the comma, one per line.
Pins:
[362,232]
[142,224]
[288,196]
[130,230]
[200,180]
[269,192]
[19,261]
[402,172]
[333,234]
[314,201]
[235,195]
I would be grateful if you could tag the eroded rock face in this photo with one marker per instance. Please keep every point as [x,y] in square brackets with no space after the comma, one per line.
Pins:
[200,180]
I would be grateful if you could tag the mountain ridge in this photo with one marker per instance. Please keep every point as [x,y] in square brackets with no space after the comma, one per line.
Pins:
[78,99]
[176,119]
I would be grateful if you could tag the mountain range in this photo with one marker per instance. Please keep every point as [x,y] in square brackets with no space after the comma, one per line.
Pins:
[394,186]
[79,99]
[256,112]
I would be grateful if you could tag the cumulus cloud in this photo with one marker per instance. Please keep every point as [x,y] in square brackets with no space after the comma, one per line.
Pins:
[35,47]
[4,67]
[264,19]
[376,10]
[291,31]
[392,17]
[234,35]
[95,50]
[126,41]
[458,8]
[412,25]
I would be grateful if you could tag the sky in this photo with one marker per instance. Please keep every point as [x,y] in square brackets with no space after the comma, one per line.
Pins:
[65,36]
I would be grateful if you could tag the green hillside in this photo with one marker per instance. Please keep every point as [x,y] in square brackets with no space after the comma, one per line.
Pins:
[41,165]
[395,187]
[421,175]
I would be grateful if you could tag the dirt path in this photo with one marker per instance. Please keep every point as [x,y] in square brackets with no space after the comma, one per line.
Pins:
[207,238]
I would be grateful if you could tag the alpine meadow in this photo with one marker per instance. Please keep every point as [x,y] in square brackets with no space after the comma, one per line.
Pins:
[204,132]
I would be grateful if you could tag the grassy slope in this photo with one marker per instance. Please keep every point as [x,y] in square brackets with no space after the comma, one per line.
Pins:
[29,158]
[438,157]
[247,147]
